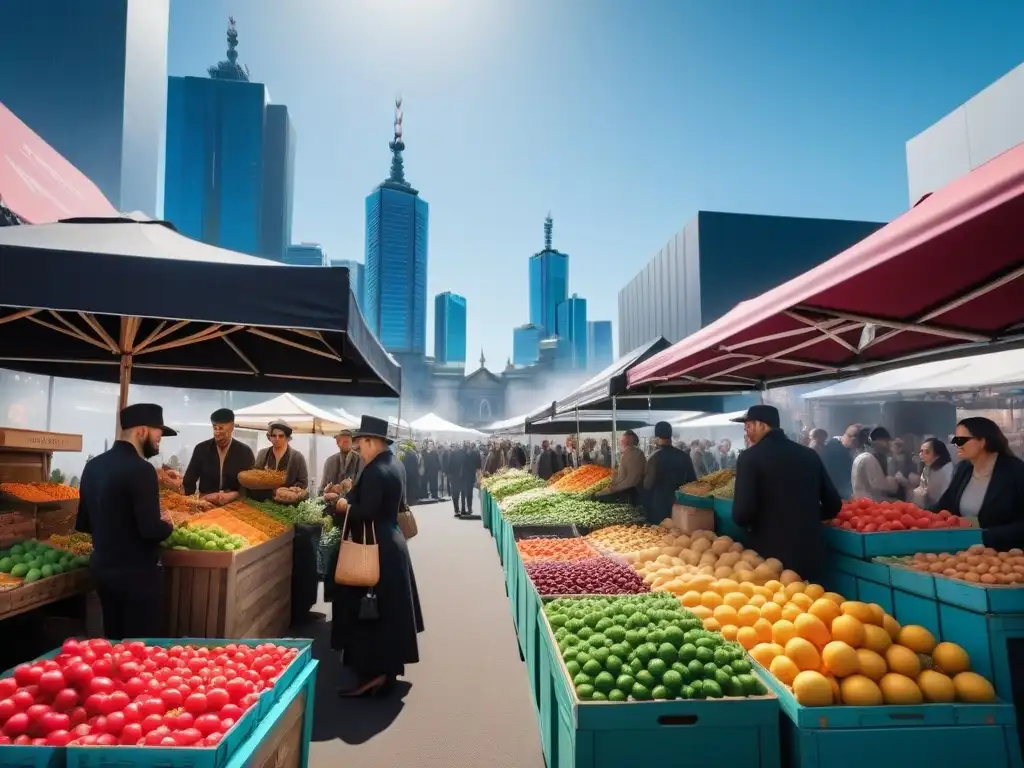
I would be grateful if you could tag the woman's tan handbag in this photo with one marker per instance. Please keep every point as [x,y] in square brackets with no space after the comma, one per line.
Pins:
[406,522]
[358,564]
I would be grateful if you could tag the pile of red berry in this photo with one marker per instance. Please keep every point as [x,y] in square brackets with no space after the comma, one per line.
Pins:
[868,516]
[94,693]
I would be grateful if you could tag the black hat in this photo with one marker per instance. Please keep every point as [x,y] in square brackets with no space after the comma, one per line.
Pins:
[767,414]
[145,415]
[282,425]
[880,433]
[222,416]
[663,430]
[371,426]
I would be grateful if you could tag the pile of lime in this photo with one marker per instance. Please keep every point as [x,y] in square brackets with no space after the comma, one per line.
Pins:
[32,560]
[646,647]
[211,538]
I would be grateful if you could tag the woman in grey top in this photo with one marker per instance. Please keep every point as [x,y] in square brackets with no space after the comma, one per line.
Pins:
[282,457]
[936,474]
[988,483]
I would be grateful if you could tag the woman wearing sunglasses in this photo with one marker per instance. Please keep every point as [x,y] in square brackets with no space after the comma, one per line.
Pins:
[988,483]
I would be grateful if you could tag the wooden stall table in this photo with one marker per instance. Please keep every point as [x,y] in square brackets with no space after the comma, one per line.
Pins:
[25,457]
[245,593]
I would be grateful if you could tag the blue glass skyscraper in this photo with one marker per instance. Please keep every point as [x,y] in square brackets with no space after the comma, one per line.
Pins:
[395,292]
[90,78]
[525,345]
[572,332]
[549,283]
[599,344]
[449,328]
[356,277]
[230,160]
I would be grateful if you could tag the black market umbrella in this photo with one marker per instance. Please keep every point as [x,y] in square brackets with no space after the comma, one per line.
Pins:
[132,300]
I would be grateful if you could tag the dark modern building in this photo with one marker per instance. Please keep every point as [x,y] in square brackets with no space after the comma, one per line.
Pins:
[720,259]
[525,345]
[449,329]
[305,255]
[90,78]
[230,160]
[395,293]
[600,351]
[549,283]
[356,277]
[986,125]
[571,328]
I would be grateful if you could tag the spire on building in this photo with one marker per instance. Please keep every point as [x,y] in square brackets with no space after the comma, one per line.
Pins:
[549,225]
[230,69]
[483,360]
[397,147]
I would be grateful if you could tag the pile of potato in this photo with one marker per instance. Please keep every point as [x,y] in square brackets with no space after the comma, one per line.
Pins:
[626,540]
[976,564]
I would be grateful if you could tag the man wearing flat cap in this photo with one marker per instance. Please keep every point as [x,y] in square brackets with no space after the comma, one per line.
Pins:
[783,494]
[216,462]
[119,506]
[343,465]
[666,470]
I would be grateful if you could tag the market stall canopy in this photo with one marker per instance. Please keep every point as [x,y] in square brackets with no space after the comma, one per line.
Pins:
[37,184]
[302,417]
[89,298]
[434,424]
[944,279]
[591,422]
[598,391]
[710,420]
[995,371]
[516,425]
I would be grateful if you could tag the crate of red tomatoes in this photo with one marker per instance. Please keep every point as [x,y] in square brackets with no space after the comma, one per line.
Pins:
[865,528]
[168,702]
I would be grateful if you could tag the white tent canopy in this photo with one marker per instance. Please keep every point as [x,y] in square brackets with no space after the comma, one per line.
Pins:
[434,424]
[966,374]
[302,417]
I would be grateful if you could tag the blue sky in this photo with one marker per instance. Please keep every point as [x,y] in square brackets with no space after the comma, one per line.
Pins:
[623,118]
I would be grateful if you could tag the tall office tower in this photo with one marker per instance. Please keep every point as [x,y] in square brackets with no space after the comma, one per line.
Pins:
[90,78]
[526,345]
[230,160]
[449,328]
[599,344]
[395,292]
[356,277]
[305,255]
[549,283]
[572,332]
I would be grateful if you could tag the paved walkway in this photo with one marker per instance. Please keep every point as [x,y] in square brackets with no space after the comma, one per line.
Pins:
[467,703]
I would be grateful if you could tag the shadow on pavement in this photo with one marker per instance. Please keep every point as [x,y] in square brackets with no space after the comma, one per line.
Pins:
[353,721]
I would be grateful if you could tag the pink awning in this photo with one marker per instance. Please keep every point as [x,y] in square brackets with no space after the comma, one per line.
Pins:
[944,277]
[37,183]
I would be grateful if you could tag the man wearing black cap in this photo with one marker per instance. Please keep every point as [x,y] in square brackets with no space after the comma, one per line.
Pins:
[783,494]
[216,462]
[666,470]
[120,508]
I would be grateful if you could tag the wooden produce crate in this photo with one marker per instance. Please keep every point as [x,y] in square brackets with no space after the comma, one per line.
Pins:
[16,526]
[28,597]
[230,594]
[282,740]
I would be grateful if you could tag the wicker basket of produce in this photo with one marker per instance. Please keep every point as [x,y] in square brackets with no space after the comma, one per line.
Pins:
[261,479]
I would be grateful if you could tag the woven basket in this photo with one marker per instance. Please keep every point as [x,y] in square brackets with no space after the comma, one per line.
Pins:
[261,479]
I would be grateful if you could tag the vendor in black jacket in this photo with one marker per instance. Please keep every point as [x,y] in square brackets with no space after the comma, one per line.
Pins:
[120,507]
[783,494]
[988,483]
[216,462]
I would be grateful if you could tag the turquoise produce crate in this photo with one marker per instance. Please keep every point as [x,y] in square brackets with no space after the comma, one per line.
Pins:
[913,608]
[872,579]
[700,502]
[879,544]
[531,629]
[592,734]
[485,509]
[980,599]
[895,736]
[843,583]
[912,581]
[724,525]
[223,756]
[986,639]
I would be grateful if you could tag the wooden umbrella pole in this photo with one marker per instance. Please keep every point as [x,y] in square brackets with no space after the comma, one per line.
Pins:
[129,329]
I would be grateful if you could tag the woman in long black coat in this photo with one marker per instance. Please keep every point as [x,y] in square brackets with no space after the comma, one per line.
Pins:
[377,649]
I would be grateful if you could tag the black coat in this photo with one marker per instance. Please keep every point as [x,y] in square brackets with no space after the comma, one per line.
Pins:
[204,470]
[783,494]
[666,470]
[431,462]
[386,645]
[838,462]
[548,463]
[469,462]
[1002,511]
[119,505]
